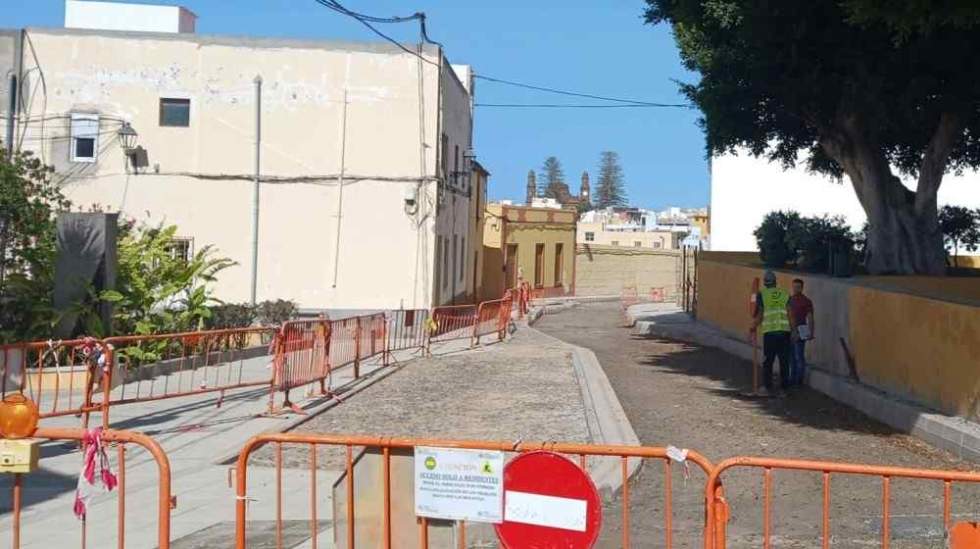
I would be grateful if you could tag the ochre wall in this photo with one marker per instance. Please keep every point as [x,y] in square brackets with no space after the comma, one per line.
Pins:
[915,346]
[606,270]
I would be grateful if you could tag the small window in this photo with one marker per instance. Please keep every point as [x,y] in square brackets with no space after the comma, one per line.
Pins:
[462,258]
[84,137]
[175,112]
[615,243]
[181,249]
[637,244]
[657,244]
[590,237]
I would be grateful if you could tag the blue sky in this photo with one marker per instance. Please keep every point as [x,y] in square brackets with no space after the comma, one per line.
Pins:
[601,48]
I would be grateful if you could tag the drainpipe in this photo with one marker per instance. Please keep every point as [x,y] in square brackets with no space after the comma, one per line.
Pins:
[11,107]
[255,187]
[340,191]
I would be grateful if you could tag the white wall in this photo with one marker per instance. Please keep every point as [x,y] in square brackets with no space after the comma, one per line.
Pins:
[744,189]
[204,183]
[85,14]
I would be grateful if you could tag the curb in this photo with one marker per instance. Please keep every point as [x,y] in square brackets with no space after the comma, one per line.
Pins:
[953,434]
[607,421]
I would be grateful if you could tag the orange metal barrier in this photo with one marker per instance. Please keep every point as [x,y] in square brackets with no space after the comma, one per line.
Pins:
[59,376]
[546,293]
[407,329]
[717,507]
[121,440]
[492,317]
[301,356]
[453,322]
[154,367]
[347,447]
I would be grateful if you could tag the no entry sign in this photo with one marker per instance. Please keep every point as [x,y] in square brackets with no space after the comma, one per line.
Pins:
[549,501]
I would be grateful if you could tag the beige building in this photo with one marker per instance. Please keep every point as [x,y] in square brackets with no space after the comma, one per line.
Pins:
[532,244]
[597,234]
[366,200]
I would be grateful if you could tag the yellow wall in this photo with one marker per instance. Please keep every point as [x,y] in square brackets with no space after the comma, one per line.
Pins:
[606,270]
[915,346]
[527,227]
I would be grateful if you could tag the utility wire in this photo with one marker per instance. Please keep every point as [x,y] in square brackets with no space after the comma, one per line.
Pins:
[574,106]
[366,20]
[577,94]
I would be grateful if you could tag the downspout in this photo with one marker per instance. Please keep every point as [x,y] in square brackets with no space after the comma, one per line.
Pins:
[340,191]
[440,177]
[255,188]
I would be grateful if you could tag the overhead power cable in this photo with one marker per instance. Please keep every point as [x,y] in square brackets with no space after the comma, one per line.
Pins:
[575,106]
[366,20]
[577,94]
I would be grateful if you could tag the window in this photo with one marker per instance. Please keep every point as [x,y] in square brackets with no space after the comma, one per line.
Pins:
[637,244]
[559,270]
[539,265]
[462,258]
[175,112]
[590,236]
[445,262]
[657,244]
[455,264]
[614,243]
[181,248]
[84,137]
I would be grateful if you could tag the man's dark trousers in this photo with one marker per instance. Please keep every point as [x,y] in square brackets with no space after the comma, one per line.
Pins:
[776,344]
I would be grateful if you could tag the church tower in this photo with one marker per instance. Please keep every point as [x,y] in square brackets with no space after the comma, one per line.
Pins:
[585,192]
[532,187]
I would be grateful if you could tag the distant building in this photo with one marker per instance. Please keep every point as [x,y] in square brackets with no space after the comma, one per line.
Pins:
[564,197]
[744,189]
[528,243]
[640,228]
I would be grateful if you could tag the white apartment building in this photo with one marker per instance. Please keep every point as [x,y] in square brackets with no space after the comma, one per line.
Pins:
[364,151]
[744,189]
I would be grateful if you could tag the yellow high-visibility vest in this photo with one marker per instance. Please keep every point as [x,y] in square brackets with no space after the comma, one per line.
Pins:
[774,317]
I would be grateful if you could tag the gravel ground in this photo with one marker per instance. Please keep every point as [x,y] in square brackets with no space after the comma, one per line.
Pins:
[525,389]
[693,397]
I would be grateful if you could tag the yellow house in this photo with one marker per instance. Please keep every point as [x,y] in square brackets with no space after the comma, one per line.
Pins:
[530,244]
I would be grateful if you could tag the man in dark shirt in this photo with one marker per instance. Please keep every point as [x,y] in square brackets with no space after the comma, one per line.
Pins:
[801,311]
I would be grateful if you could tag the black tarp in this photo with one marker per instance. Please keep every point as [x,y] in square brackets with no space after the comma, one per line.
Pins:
[86,260]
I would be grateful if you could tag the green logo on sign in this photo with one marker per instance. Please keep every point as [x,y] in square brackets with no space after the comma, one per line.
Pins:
[486,468]
[430,463]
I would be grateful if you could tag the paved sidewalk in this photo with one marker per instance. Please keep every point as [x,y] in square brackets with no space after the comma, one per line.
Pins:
[192,431]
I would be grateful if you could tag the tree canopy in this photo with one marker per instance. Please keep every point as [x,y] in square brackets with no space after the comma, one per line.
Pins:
[552,177]
[853,87]
[611,188]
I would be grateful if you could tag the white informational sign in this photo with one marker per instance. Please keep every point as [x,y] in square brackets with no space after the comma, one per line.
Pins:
[459,484]
[541,510]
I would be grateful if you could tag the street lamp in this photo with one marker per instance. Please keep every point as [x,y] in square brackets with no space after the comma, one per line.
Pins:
[127,138]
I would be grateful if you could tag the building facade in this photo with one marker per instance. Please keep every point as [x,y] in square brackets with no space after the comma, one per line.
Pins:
[744,189]
[366,199]
[523,243]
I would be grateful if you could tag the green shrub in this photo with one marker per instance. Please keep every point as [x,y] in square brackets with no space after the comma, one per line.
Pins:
[771,237]
[270,313]
[231,315]
[813,239]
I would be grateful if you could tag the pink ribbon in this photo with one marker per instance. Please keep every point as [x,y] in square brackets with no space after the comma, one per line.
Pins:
[95,467]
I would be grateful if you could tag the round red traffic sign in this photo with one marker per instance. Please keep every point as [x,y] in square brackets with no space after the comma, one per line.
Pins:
[549,501]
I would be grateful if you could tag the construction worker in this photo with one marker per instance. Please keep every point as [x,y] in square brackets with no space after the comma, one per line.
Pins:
[773,315]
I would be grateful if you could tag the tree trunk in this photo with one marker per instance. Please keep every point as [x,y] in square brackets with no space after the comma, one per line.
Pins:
[901,241]
[904,236]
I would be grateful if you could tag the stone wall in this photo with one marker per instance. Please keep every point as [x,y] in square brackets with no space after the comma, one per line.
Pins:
[606,270]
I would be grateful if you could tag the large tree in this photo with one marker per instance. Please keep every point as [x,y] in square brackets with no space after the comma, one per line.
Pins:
[851,87]
[551,178]
[611,188]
